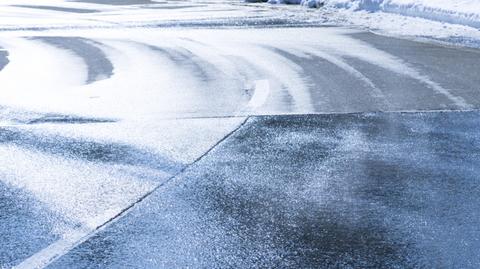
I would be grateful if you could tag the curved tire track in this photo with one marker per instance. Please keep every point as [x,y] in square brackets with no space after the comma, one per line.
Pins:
[3,58]
[99,66]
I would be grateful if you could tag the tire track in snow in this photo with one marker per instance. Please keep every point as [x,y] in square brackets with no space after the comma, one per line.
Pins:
[243,64]
[221,82]
[366,52]
[3,58]
[99,66]
[340,63]
[38,75]
[186,59]
[334,85]
[287,73]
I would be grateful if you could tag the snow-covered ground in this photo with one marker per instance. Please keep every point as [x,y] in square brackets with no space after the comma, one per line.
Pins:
[465,12]
[456,22]
[453,22]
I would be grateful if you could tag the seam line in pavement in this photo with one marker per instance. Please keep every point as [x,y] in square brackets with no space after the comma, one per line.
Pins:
[56,250]
[413,111]
[51,253]
[322,113]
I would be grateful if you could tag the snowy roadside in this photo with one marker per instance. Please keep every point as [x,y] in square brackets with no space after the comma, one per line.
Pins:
[464,12]
[404,26]
[452,22]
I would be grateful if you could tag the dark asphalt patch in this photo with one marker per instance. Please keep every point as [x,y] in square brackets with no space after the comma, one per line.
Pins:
[98,64]
[386,190]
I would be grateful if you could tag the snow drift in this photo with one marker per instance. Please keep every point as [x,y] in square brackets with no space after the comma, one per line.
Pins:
[465,12]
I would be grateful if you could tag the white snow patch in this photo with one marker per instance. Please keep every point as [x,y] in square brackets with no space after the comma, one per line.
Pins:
[260,95]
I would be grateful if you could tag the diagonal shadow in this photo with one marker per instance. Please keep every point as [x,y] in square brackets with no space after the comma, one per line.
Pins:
[87,150]
[29,117]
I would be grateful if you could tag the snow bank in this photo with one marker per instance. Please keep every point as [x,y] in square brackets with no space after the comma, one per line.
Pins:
[465,12]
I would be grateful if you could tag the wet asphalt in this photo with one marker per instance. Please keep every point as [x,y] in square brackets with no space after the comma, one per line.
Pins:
[375,190]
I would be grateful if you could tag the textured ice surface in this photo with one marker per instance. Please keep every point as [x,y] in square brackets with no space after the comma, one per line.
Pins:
[379,190]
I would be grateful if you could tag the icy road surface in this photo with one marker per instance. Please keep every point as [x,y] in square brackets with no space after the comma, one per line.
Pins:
[168,134]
